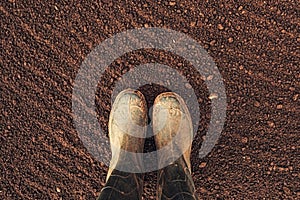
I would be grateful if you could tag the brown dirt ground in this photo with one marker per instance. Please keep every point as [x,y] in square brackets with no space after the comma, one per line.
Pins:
[255,44]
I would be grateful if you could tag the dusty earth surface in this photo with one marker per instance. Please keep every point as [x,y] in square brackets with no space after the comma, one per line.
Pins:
[255,45]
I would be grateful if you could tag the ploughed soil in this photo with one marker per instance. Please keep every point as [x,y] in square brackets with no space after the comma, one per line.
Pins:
[255,45]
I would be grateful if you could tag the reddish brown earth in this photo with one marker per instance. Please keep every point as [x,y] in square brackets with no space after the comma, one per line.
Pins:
[255,45]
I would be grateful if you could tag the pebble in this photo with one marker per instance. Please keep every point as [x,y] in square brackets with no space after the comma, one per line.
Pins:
[279,106]
[193,24]
[188,86]
[213,96]
[292,89]
[220,27]
[210,77]
[286,190]
[240,8]
[58,190]
[102,164]
[212,42]
[172,3]
[295,97]
[244,140]
[271,124]
[202,165]
[282,169]
[256,104]
[203,190]
[230,40]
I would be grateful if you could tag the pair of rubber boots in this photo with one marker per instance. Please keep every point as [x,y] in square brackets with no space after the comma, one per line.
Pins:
[173,134]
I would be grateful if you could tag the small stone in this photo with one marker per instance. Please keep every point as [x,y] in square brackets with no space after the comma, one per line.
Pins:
[210,77]
[58,190]
[202,165]
[279,106]
[213,96]
[286,190]
[193,24]
[248,158]
[295,97]
[172,3]
[241,67]
[203,190]
[188,86]
[270,168]
[271,124]
[212,42]
[244,140]
[146,25]
[256,104]
[230,40]
[293,147]
[292,89]
[282,169]
[220,27]
[240,8]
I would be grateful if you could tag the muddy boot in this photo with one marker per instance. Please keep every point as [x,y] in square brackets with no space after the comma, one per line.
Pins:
[127,130]
[172,127]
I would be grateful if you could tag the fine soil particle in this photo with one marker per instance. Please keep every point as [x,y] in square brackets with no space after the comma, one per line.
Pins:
[254,44]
